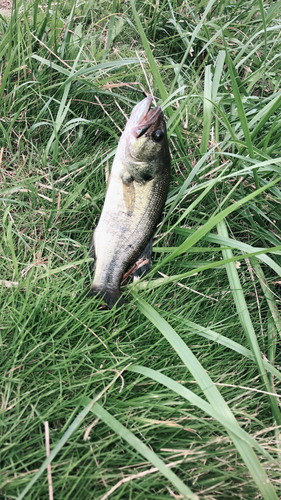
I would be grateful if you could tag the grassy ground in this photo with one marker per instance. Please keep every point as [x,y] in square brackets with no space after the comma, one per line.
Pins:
[177,395]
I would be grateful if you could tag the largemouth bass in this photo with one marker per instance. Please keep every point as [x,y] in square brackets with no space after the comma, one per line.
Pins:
[134,201]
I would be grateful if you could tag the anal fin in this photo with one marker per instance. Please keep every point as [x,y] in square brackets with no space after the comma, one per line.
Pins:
[146,257]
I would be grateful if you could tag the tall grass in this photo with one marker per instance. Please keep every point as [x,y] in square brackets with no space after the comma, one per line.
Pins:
[177,395]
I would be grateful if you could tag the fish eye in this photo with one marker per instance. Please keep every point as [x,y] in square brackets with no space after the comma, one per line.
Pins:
[158,135]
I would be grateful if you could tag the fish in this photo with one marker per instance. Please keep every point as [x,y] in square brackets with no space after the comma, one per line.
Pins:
[134,201]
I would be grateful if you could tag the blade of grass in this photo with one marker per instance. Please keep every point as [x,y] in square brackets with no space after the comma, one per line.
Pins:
[110,29]
[210,95]
[238,245]
[46,18]
[207,110]
[193,37]
[200,403]
[12,248]
[271,301]
[207,333]
[140,447]
[95,69]
[176,277]
[66,36]
[62,111]
[206,228]
[75,424]
[241,113]
[184,188]
[154,68]
[245,320]
[272,341]
[7,72]
[213,395]
[64,267]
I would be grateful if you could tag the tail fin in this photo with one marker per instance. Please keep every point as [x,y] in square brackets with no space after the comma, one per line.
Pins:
[110,296]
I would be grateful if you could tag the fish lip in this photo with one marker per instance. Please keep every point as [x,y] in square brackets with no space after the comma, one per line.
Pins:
[144,120]
[151,122]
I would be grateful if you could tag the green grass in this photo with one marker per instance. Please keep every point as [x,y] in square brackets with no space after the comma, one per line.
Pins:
[178,394]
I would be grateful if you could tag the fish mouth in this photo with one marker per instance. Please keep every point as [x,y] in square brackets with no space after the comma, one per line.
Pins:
[144,120]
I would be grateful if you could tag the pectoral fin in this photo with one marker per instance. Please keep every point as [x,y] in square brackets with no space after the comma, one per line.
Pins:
[129,194]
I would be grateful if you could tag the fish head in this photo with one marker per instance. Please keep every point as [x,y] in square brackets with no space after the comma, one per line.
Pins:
[143,146]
